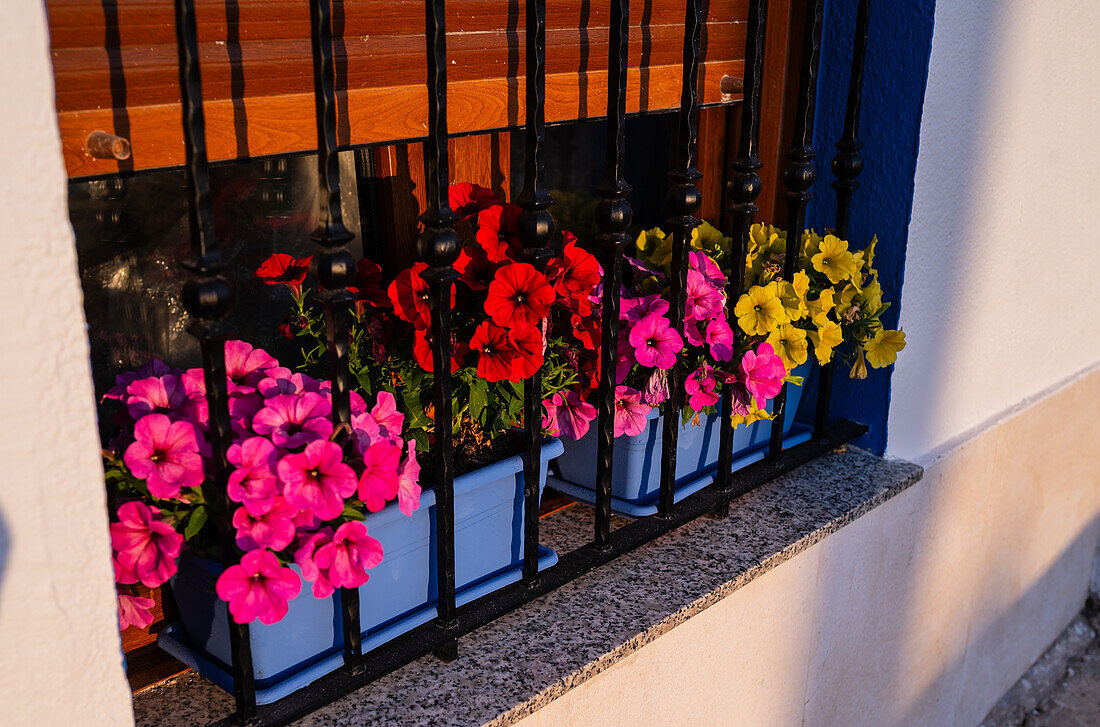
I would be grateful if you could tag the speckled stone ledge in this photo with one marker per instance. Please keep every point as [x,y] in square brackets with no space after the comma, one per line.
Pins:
[525,660]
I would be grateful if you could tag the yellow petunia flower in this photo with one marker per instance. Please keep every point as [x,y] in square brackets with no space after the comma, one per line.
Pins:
[767,240]
[811,245]
[872,295]
[793,295]
[827,337]
[759,311]
[820,307]
[709,239]
[835,261]
[882,349]
[790,344]
[869,255]
[655,247]
[754,415]
[859,367]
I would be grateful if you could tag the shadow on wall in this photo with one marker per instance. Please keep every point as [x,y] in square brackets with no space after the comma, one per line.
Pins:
[5,548]
[898,47]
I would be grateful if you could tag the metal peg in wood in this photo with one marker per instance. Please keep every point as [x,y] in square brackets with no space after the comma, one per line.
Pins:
[102,145]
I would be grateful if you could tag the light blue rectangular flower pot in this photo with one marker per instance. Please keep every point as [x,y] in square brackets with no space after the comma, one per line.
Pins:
[400,595]
[636,474]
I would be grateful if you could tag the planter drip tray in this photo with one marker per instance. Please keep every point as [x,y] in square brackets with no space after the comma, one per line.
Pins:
[798,434]
[173,639]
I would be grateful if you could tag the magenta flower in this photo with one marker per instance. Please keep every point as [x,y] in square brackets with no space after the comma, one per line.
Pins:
[625,360]
[346,558]
[258,588]
[279,380]
[153,367]
[358,406]
[567,415]
[273,529]
[317,479]
[134,611]
[762,373]
[146,545]
[701,387]
[156,394]
[700,262]
[293,420]
[408,482]
[253,482]
[389,420]
[656,388]
[631,415]
[242,407]
[307,547]
[165,454]
[366,431]
[635,309]
[379,482]
[720,339]
[655,343]
[703,301]
[246,366]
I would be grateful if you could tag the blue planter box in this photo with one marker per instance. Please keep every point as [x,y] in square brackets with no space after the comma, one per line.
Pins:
[635,481]
[400,595]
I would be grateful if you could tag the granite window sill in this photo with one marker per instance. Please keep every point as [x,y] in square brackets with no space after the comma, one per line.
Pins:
[525,660]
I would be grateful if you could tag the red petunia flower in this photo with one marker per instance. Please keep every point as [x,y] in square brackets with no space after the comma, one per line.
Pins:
[586,328]
[474,268]
[422,351]
[528,344]
[496,231]
[499,358]
[519,297]
[368,285]
[576,273]
[409,294]
[469,199]
[283,269]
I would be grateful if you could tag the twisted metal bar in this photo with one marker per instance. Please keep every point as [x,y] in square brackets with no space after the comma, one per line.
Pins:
[743,188]
[683,201]
[536,227]
[798,178]
[334,268]
[207,298]
[613,215]
[847,166]
[438,245]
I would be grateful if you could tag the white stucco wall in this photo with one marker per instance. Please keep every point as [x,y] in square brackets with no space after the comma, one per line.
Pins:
[60,662]
[1000,296]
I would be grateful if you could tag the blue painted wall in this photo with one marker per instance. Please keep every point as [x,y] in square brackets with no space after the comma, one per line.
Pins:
[898,48]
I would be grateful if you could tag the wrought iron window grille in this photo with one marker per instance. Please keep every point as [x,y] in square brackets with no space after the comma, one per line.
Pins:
[207,297]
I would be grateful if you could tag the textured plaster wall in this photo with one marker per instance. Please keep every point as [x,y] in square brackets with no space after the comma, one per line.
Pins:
[1001,300]
[923,612]
[60,660]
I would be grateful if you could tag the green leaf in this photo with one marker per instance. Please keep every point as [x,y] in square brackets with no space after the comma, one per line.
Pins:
[195,522]
[479,398]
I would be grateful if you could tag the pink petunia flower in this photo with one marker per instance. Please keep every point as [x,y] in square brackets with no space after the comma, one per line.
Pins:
[701,387]
[294,420]
[246,366]
[635,309]
[280,380]
[165,454]
[258,588]
[656,388]
[702,301]
[720,339]
[253,483]
[379,482]
[134,611]
[567,415]
[655,343]
[153,367]
[316,479]
[408,481]
[389,420]
[701,262]
[631,415]
[273,529]
[358,405]
[762,373]
[146,545]
[242,407]
[346,558]
[625,359]
[303,557]
[156,394]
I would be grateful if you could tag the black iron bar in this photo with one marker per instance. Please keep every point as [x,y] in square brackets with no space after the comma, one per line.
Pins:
[207,298]
[536,227]
[573,565]
[798,178]
[847,166]
[613,215]
[334,268]
[438,246]
[743,188]
[683,201]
